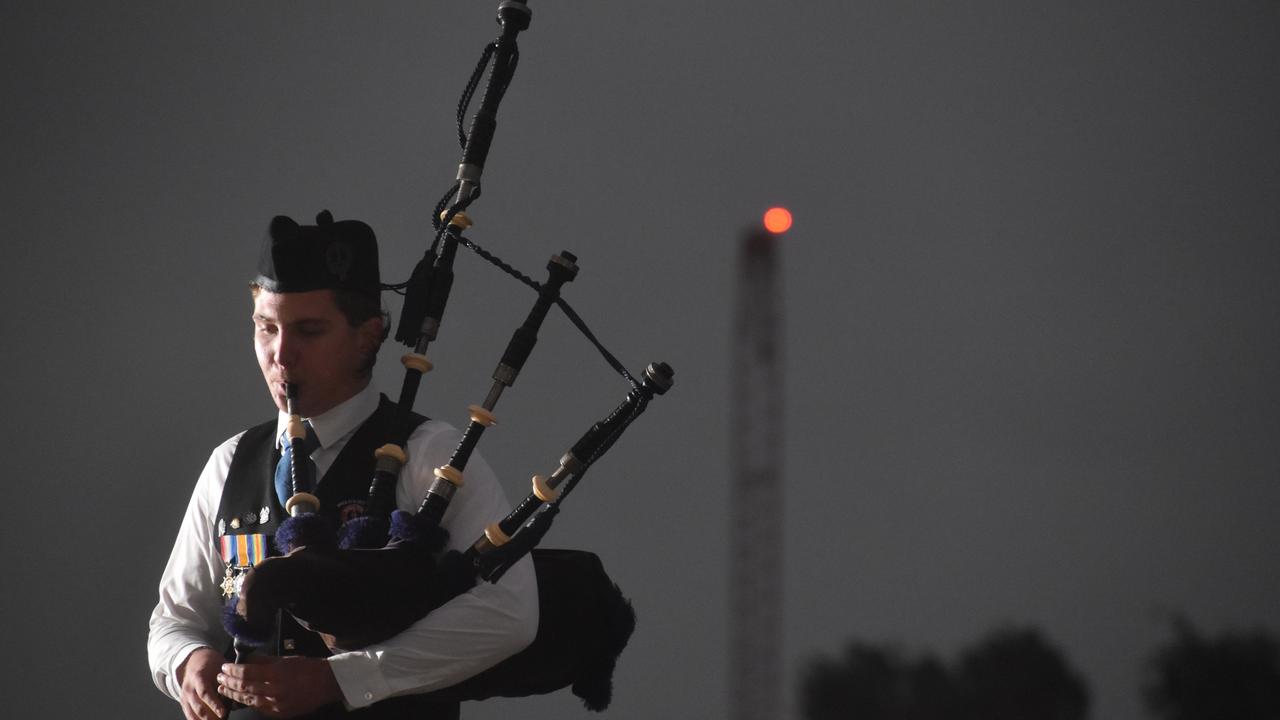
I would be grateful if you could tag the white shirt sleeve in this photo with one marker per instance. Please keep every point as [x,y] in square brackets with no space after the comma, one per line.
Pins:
[189,613]
[470,633]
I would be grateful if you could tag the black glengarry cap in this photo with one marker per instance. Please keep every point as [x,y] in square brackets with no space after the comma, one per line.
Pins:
[326,256]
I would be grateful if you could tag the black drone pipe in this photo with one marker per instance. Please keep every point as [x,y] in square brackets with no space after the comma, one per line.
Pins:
[561,269]
[485,552]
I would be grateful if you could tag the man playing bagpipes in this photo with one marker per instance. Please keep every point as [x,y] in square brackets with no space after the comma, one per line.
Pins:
[318,324]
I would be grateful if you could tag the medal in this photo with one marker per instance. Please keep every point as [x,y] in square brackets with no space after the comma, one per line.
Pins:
[229,583]
[240,553]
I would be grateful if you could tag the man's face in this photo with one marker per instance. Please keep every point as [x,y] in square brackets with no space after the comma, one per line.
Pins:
[303,338]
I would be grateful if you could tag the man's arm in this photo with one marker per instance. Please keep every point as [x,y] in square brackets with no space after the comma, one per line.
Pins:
[188,615]
[470,633]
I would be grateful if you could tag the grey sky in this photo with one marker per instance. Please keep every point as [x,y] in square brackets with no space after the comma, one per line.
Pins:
[1030,294]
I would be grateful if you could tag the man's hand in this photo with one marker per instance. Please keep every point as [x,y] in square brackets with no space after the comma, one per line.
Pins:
[198,676]
[280,687]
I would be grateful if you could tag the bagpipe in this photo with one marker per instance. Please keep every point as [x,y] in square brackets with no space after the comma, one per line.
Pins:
[379,573]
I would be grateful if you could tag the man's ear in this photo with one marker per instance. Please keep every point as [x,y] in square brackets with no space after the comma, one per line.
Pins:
[371,333]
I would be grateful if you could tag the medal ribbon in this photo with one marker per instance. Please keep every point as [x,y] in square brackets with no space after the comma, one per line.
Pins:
[243,550]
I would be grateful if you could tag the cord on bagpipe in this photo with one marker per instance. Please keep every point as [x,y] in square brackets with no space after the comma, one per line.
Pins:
[380,573]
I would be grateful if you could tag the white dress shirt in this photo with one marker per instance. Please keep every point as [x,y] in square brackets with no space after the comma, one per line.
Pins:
[457,640]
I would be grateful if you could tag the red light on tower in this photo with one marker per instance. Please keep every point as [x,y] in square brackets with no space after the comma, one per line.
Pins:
[777,220]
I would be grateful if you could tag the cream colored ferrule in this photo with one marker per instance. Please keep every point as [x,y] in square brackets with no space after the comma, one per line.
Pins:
[414,361]
[389,458]
[299,500]
[544,491]
[296,429]
[495,535]
[394,452]
[449,473]
[482,416]
[460,220]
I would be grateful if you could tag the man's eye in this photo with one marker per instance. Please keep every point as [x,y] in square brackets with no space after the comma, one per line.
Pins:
[266,329]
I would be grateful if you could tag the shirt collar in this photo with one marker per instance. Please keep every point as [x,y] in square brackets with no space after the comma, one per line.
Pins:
[336,422]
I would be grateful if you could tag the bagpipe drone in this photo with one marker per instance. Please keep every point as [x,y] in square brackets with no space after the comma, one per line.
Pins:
[380,573]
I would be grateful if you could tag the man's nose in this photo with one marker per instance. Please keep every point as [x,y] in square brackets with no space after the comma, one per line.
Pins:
[286,348]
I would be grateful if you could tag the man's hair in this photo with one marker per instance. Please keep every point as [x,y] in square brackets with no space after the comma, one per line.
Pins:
[357,308]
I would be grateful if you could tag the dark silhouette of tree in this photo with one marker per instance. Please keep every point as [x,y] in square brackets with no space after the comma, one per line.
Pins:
[1234,676]
[868,682]
[1010,674]
[1014,674]
[932,692]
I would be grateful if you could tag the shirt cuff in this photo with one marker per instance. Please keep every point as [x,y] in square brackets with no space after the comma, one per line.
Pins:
[360,679]
[173,681]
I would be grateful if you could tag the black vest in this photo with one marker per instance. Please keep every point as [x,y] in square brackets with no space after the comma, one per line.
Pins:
[249,506]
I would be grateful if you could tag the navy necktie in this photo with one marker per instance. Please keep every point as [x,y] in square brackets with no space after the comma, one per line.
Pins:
[284,468]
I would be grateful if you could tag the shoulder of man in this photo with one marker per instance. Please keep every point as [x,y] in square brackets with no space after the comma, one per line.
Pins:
[434,441]
[219,463]
[228,447]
